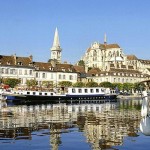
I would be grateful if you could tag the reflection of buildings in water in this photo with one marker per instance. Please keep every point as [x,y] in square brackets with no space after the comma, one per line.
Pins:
[102,124]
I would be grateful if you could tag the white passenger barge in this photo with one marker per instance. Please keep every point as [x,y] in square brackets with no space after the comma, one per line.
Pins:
[72,95]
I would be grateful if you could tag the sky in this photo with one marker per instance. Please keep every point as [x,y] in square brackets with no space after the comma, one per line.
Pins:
[27,27]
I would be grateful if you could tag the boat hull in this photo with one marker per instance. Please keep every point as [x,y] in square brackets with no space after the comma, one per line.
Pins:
[37,99]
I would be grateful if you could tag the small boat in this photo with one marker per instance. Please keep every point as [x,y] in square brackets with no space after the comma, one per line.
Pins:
[73,94]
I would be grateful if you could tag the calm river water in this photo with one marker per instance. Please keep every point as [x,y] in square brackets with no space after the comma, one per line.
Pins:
[73,127]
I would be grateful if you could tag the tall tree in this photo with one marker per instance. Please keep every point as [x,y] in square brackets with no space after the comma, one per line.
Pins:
[12,82]
[92,84]
[81,63]
[106,84]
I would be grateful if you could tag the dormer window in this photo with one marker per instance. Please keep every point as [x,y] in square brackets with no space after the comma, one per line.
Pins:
[20,63]
[8,63]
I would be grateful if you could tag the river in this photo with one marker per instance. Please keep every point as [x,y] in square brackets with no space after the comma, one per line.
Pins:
[73,127]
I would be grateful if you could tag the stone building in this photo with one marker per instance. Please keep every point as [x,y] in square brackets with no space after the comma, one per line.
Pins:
[107,62]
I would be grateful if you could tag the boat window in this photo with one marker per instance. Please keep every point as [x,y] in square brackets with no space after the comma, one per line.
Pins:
[28,92]
[40,93]
[97,90]
[79,90]
[85,90]
[73,90]
[102,90]
[33,93]
[45,93]
[51,93]
[91,90]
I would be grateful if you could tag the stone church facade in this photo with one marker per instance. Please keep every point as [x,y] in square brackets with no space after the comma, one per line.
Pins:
[107,62]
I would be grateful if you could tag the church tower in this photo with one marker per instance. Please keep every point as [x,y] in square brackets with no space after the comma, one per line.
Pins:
[56,49]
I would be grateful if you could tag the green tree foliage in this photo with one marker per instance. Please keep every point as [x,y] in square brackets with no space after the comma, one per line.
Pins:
[65,83]
[139,86]
[31,83]
[79,84]
[47,83]
[127,86]
[81,63]
[12,82]
[106,84]
[92,84]
[117,85]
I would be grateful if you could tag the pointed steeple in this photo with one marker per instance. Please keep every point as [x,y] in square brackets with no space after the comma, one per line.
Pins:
[56,43]
[56,49]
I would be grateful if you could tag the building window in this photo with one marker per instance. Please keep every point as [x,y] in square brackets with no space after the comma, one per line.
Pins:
[59,76]
[114,79]
[2,70]
[30,72]
[64,77]
[7,71]
[43,75]
[51,76]
[20,72]
[25,72]
[70,77]
[12,71]
[37,75]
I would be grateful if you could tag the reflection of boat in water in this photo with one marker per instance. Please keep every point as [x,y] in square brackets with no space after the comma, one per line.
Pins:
[145,122]
[72,95]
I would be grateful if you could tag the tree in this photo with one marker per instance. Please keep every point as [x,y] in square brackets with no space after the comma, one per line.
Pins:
[127,86]
[106,84]
[12,82]
[117,85]
[92,84]
[47,84]
[79,84]
[65,83]
[81,63]
[31,83]
[138,86]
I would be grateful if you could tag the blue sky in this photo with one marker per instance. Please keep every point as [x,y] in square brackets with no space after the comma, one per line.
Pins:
[27,26]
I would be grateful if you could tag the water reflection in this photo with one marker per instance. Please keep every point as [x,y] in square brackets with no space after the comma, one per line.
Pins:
[102,125]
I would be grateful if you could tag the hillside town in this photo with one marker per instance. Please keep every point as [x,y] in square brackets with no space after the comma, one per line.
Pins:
[102,62]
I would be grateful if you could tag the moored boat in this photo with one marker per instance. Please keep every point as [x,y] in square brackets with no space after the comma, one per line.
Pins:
[73,94]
